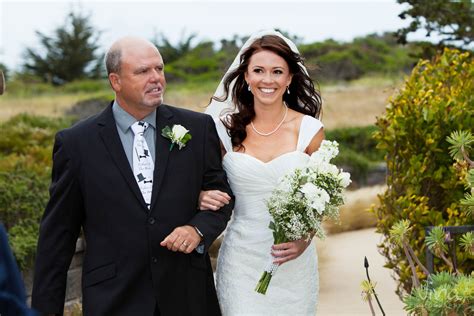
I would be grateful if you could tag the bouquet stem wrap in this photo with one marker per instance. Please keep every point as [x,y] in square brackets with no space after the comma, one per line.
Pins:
[262,285]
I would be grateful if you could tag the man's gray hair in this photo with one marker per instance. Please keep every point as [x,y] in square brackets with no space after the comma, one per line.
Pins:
[113,60]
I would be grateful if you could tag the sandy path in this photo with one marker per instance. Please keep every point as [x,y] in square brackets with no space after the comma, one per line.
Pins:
[341,270]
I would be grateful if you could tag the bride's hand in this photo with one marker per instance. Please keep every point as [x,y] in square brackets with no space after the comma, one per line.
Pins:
[213,200]
[289,250]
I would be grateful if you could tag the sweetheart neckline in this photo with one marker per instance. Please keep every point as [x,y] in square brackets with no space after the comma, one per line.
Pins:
[265,162]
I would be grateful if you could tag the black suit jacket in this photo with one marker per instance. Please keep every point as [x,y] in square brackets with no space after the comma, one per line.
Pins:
[125,270]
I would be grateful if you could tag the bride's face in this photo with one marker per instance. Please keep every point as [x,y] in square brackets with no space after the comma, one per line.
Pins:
[268,75]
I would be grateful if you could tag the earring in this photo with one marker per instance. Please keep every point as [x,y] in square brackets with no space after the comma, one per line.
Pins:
[248,87]
[288,89]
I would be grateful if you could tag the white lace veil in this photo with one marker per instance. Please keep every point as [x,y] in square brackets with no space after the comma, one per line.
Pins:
[218,108]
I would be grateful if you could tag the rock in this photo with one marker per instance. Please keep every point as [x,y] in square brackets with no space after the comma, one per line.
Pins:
[84,109]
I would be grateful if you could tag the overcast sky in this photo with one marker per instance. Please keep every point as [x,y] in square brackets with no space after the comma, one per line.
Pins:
[213,20]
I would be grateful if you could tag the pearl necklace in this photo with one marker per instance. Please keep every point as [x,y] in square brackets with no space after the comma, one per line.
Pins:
[276,128]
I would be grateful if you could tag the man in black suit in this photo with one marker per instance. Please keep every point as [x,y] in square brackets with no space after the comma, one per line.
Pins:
[146,247]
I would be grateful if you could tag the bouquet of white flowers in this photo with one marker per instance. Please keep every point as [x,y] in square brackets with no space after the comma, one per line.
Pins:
[303,199]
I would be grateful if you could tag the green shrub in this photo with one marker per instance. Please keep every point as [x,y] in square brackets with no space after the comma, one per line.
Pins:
[200,63]
[27,134]
[22,88]
[358,153]
[356,164]
[359,140]
[25,167]
[436,99]
[442,294]
[27,86]
[370,54]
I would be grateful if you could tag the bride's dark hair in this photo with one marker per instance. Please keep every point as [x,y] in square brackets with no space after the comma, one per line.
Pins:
[303,96]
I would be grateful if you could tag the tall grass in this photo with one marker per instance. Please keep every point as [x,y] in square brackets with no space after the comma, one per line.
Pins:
[344,105]
[46,105]
[354,105]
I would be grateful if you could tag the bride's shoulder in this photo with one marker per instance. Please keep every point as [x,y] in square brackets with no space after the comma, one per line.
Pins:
[312,120]
[312,133]
[310,124]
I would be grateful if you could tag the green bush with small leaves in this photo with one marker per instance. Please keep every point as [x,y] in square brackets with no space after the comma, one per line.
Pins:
[422,186]
[25,166]
[357,150]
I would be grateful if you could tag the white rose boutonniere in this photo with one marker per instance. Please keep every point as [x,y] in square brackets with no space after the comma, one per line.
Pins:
[177,135]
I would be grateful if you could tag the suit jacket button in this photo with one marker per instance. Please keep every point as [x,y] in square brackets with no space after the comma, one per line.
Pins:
[154,259]
[151,220]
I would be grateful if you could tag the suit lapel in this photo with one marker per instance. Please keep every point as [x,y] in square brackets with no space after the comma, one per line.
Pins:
[111,139]
[162,145]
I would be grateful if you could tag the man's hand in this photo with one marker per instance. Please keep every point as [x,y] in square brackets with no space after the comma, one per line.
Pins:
[183,239]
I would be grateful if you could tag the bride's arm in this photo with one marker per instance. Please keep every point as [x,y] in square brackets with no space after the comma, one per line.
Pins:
[287,251]
[315,142]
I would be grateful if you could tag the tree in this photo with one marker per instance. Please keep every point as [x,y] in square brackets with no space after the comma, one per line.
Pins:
[170,52]
[294,38]
[69,54]
[452,20]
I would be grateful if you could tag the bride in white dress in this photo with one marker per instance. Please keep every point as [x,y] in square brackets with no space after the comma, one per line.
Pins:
[269,129]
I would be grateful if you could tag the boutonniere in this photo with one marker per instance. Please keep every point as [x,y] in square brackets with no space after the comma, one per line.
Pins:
[177,135]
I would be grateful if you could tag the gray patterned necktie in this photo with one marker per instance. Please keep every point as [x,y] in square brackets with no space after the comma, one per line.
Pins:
[143,165]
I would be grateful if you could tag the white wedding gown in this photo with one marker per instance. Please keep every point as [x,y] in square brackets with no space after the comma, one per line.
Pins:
[245,250]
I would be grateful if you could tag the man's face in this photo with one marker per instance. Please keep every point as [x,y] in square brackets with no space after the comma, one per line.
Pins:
[141,82]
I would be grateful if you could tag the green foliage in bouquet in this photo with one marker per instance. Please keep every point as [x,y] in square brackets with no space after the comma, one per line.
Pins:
[25,167]
[422,187]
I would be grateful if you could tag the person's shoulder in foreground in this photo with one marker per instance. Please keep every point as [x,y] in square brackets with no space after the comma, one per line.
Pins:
[12,290]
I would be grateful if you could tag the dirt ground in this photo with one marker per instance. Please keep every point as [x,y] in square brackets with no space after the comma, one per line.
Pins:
[341,270]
